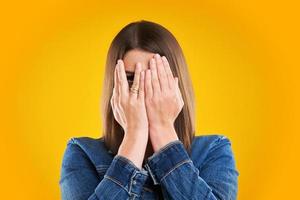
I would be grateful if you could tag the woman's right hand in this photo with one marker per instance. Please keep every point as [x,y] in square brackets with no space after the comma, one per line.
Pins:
[129,107]
[130,112]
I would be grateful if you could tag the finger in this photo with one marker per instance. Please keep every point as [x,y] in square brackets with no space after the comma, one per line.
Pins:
[116,85]
[136,80]
[115,110]
[154,76]
[113,105]
[122,80]
[118,89]
[178,90]
[168,72]
[115,89]
[176,86]
[112,102]
[142,86]
[162,76]
[149,91]
[113,98]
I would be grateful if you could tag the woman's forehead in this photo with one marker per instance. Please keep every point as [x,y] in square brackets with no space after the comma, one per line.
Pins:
[136,55]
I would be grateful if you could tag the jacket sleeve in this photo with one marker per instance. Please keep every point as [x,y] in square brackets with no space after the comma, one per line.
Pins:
[80,181]
[172,168]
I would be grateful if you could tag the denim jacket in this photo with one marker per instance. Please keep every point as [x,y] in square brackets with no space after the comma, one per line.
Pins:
[90,172]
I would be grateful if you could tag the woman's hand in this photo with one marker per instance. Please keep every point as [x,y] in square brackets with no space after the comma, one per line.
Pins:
[163,102]
[130,112]
[129,107]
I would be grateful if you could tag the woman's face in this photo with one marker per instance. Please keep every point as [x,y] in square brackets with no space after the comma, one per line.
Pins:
[134,56]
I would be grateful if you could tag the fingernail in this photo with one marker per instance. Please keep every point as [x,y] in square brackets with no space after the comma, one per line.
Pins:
[157,55]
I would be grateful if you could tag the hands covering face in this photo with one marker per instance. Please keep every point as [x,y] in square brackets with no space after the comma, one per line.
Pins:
[157,103]
[163,98]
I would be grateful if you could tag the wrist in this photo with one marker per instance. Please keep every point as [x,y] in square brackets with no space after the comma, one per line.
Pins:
[158,128]
[136,133]
[137,130]
[133,148]
[161,136]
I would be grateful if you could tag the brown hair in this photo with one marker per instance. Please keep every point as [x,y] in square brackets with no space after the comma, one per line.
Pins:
[151,37]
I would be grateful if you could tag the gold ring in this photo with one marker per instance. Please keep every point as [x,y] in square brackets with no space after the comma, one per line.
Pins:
[134,89]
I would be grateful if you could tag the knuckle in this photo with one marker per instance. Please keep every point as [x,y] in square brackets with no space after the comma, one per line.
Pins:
[118,103]
[122,102]
[148,100]
[166,94]
[132,102]
[156,100]
[163,76]
[173,95]
[121,81]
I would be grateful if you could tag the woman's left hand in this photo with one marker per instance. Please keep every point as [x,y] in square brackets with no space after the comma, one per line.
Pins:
[163,101]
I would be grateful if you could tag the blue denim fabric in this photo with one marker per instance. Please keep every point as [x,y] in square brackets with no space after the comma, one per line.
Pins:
[90,171]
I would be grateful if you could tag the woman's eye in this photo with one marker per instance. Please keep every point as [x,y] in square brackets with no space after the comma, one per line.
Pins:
[130,77]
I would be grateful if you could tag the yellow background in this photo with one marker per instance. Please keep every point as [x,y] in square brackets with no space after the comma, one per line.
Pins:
[243,58]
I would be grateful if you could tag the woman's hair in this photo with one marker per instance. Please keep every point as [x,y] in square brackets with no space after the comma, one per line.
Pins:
[150,37]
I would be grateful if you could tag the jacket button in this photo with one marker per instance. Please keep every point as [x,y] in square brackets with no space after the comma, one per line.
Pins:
[134,182]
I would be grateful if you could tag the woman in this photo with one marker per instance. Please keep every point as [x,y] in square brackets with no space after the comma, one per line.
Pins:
[149,149]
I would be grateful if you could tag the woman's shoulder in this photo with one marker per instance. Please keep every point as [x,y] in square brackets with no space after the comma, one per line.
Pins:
[93,148]
[85,141]
[209,140]
[208,146]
